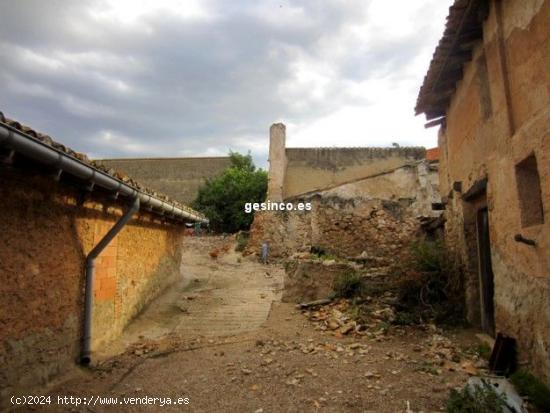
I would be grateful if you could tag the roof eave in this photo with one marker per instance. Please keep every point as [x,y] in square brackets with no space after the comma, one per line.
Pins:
[463,31]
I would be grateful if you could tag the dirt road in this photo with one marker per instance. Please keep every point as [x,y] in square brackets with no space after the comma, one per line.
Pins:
[215,297]
[222,340]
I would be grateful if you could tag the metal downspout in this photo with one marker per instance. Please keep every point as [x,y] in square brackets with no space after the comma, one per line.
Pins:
[85,355]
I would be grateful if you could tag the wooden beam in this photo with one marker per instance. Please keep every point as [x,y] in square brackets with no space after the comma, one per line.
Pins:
[436,122]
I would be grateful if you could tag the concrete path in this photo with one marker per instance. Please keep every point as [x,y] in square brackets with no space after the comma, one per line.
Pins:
[216,296]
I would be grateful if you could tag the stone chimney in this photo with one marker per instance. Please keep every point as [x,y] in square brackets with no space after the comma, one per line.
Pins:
[277,162]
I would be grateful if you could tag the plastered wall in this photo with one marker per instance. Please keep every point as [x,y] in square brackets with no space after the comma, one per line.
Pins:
[318,169]
[516,47]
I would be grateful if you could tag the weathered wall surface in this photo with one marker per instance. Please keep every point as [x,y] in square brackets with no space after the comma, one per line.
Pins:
[139,263]
[365,200]
[318,169]
[487,136]
[277,162]
[375,216]
[46,234]
[179,178]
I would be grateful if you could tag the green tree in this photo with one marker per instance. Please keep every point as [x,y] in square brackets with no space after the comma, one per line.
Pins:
[241,161]
[222,199]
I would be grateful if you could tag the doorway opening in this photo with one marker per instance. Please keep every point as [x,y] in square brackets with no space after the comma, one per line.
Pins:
[478,275]
[486,278]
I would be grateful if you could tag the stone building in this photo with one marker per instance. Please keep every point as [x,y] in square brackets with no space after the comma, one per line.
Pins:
[364,200]
[488,87]
[56,208]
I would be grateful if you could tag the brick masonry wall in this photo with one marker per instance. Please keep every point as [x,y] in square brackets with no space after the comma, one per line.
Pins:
[46,233]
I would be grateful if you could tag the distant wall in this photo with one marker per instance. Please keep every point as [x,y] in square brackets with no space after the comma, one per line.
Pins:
[364,199]
[314,169]
[47,230]
[179,178]
[300,171]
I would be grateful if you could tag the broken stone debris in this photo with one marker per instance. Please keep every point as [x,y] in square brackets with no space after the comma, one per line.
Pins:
[335,317]
[339,318]
[513,401]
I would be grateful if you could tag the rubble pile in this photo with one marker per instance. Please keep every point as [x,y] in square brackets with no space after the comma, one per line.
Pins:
[373,318]
[369,316]
[440,353]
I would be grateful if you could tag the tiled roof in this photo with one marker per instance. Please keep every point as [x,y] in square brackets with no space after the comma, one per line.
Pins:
[432,154]
[97,165]
[462,31]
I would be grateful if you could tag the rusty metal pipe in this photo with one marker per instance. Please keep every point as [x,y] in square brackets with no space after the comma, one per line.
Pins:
[523,240]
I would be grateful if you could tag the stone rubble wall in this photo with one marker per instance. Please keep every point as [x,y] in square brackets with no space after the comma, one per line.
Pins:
[47,230]
[376,217]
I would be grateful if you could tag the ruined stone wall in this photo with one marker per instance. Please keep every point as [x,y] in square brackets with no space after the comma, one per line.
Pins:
[344,228]
[376,217]
[179,178]
[46,234]
[488,136]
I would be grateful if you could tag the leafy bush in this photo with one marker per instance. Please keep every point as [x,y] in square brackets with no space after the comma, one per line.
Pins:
[242,240]
[433,289]
[477,399]
[429,256]
[531,387]
[222,199]
[347,285]
[405,318]
[482,350]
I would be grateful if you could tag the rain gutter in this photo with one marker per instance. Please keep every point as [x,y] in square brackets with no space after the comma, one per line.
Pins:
[37,150]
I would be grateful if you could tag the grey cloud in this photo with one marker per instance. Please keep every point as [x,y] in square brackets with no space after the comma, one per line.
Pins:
[170,86]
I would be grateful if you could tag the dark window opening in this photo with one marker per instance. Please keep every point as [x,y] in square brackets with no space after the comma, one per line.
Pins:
[529,192]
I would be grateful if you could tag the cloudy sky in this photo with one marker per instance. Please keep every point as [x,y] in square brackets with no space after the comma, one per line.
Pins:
[144,78]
